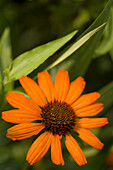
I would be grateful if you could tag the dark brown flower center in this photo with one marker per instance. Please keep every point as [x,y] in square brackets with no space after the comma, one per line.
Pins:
[58,118]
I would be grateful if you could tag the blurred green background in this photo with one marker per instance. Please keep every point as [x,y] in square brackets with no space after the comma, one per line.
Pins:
[35,22]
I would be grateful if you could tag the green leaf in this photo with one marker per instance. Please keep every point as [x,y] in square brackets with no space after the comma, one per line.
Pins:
[5,60]
[85,53]
[83,56]
[107,43]
[75,46]
[27,62]
[106,96]
[5,51]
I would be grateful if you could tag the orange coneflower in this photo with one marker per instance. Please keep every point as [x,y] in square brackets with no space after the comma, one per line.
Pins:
[59,108]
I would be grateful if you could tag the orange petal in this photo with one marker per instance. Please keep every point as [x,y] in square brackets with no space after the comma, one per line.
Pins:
[89,138]
[20,116]
[46,84]
[39,148]
[56,152]
[90,110]
[24,130]
[33,90]
[75,150]
[61,85]
[76,88]
[85,100]
[91,123]
[18,100]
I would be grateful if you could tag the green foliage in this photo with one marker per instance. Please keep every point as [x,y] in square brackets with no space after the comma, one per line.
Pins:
[5,51]
[84,55]
[107,42]
[5,60]
[27,62]
[75,46]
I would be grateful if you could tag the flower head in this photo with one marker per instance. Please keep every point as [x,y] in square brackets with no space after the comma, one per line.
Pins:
[59,108]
